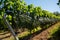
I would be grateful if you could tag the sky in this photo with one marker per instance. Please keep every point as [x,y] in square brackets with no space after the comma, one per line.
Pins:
[50,5]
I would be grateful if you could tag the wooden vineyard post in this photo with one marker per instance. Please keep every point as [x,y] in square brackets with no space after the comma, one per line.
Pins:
[10,28]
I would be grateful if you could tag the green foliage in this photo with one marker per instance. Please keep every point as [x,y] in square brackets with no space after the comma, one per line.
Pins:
[21,15]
